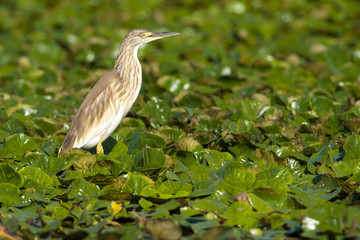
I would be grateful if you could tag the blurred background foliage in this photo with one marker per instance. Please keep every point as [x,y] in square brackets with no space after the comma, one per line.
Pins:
[262,91]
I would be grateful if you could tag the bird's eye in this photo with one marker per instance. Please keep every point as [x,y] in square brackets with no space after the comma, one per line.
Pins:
[145,35]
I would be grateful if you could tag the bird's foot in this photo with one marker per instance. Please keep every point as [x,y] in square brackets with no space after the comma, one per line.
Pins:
[99,148]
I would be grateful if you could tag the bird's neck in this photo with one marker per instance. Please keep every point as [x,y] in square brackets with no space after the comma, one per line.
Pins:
[128,67]
[127,56]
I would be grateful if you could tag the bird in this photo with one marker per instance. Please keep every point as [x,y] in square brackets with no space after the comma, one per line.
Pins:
[112,96]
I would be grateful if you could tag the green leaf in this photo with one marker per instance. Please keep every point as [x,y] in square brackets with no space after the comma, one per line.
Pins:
[322,105]
[36,178]
[9,175]
[84,163]
[145,204]
[9,194]
[118,150]
[208,124]
[174,134]
[240,214]
[300,105]
[281,151]
[325,188]
[189,144]
[238,127]
[351,159]
[320,156]
[52,225]
[269,201]
[137,141]
[204,187]
[203,225]
[277,178]
[244,180]
[46,125]
[13,126]
[158,111]
[217,159]
[189,100]
[135,183]
[167,189]
[173,85]
[132,122]
[247,109]
[176,188]
[80,189]
[199,172]
[50,165]
[17,145]
[170,175]
[208,205]
[323,216]
[149,159]
[124,163]
[163,209]
[59,212]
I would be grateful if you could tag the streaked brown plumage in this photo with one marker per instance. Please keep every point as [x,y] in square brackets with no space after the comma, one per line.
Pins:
[112,96]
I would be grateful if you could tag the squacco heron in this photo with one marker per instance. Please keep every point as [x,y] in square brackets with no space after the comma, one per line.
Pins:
[111,98]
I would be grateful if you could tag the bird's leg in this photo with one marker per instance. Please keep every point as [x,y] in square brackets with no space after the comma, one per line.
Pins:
[99,147]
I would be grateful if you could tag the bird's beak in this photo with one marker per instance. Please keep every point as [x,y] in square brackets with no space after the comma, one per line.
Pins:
[163,34]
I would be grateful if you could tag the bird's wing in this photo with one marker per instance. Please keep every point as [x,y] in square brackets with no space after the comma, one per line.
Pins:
[95,113]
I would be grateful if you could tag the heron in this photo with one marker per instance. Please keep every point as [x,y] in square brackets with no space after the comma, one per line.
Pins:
[111,98]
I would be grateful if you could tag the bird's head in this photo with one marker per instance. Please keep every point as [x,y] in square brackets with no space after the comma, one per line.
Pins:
[133,40]
[140,36]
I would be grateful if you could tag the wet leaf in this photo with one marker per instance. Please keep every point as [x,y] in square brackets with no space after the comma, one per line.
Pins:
[174,134]
[248,110]
[323,216]
[158,111]
[149,159]
[36,178]
[137,141]
[80,188]
[45,124]
[16,146]
[240,214]
[135,183]
[238,127]
[9,194]
[9,175]
[163,209]
[244,180]
[188,144]
[277,178]
[217,159]
[173,85]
